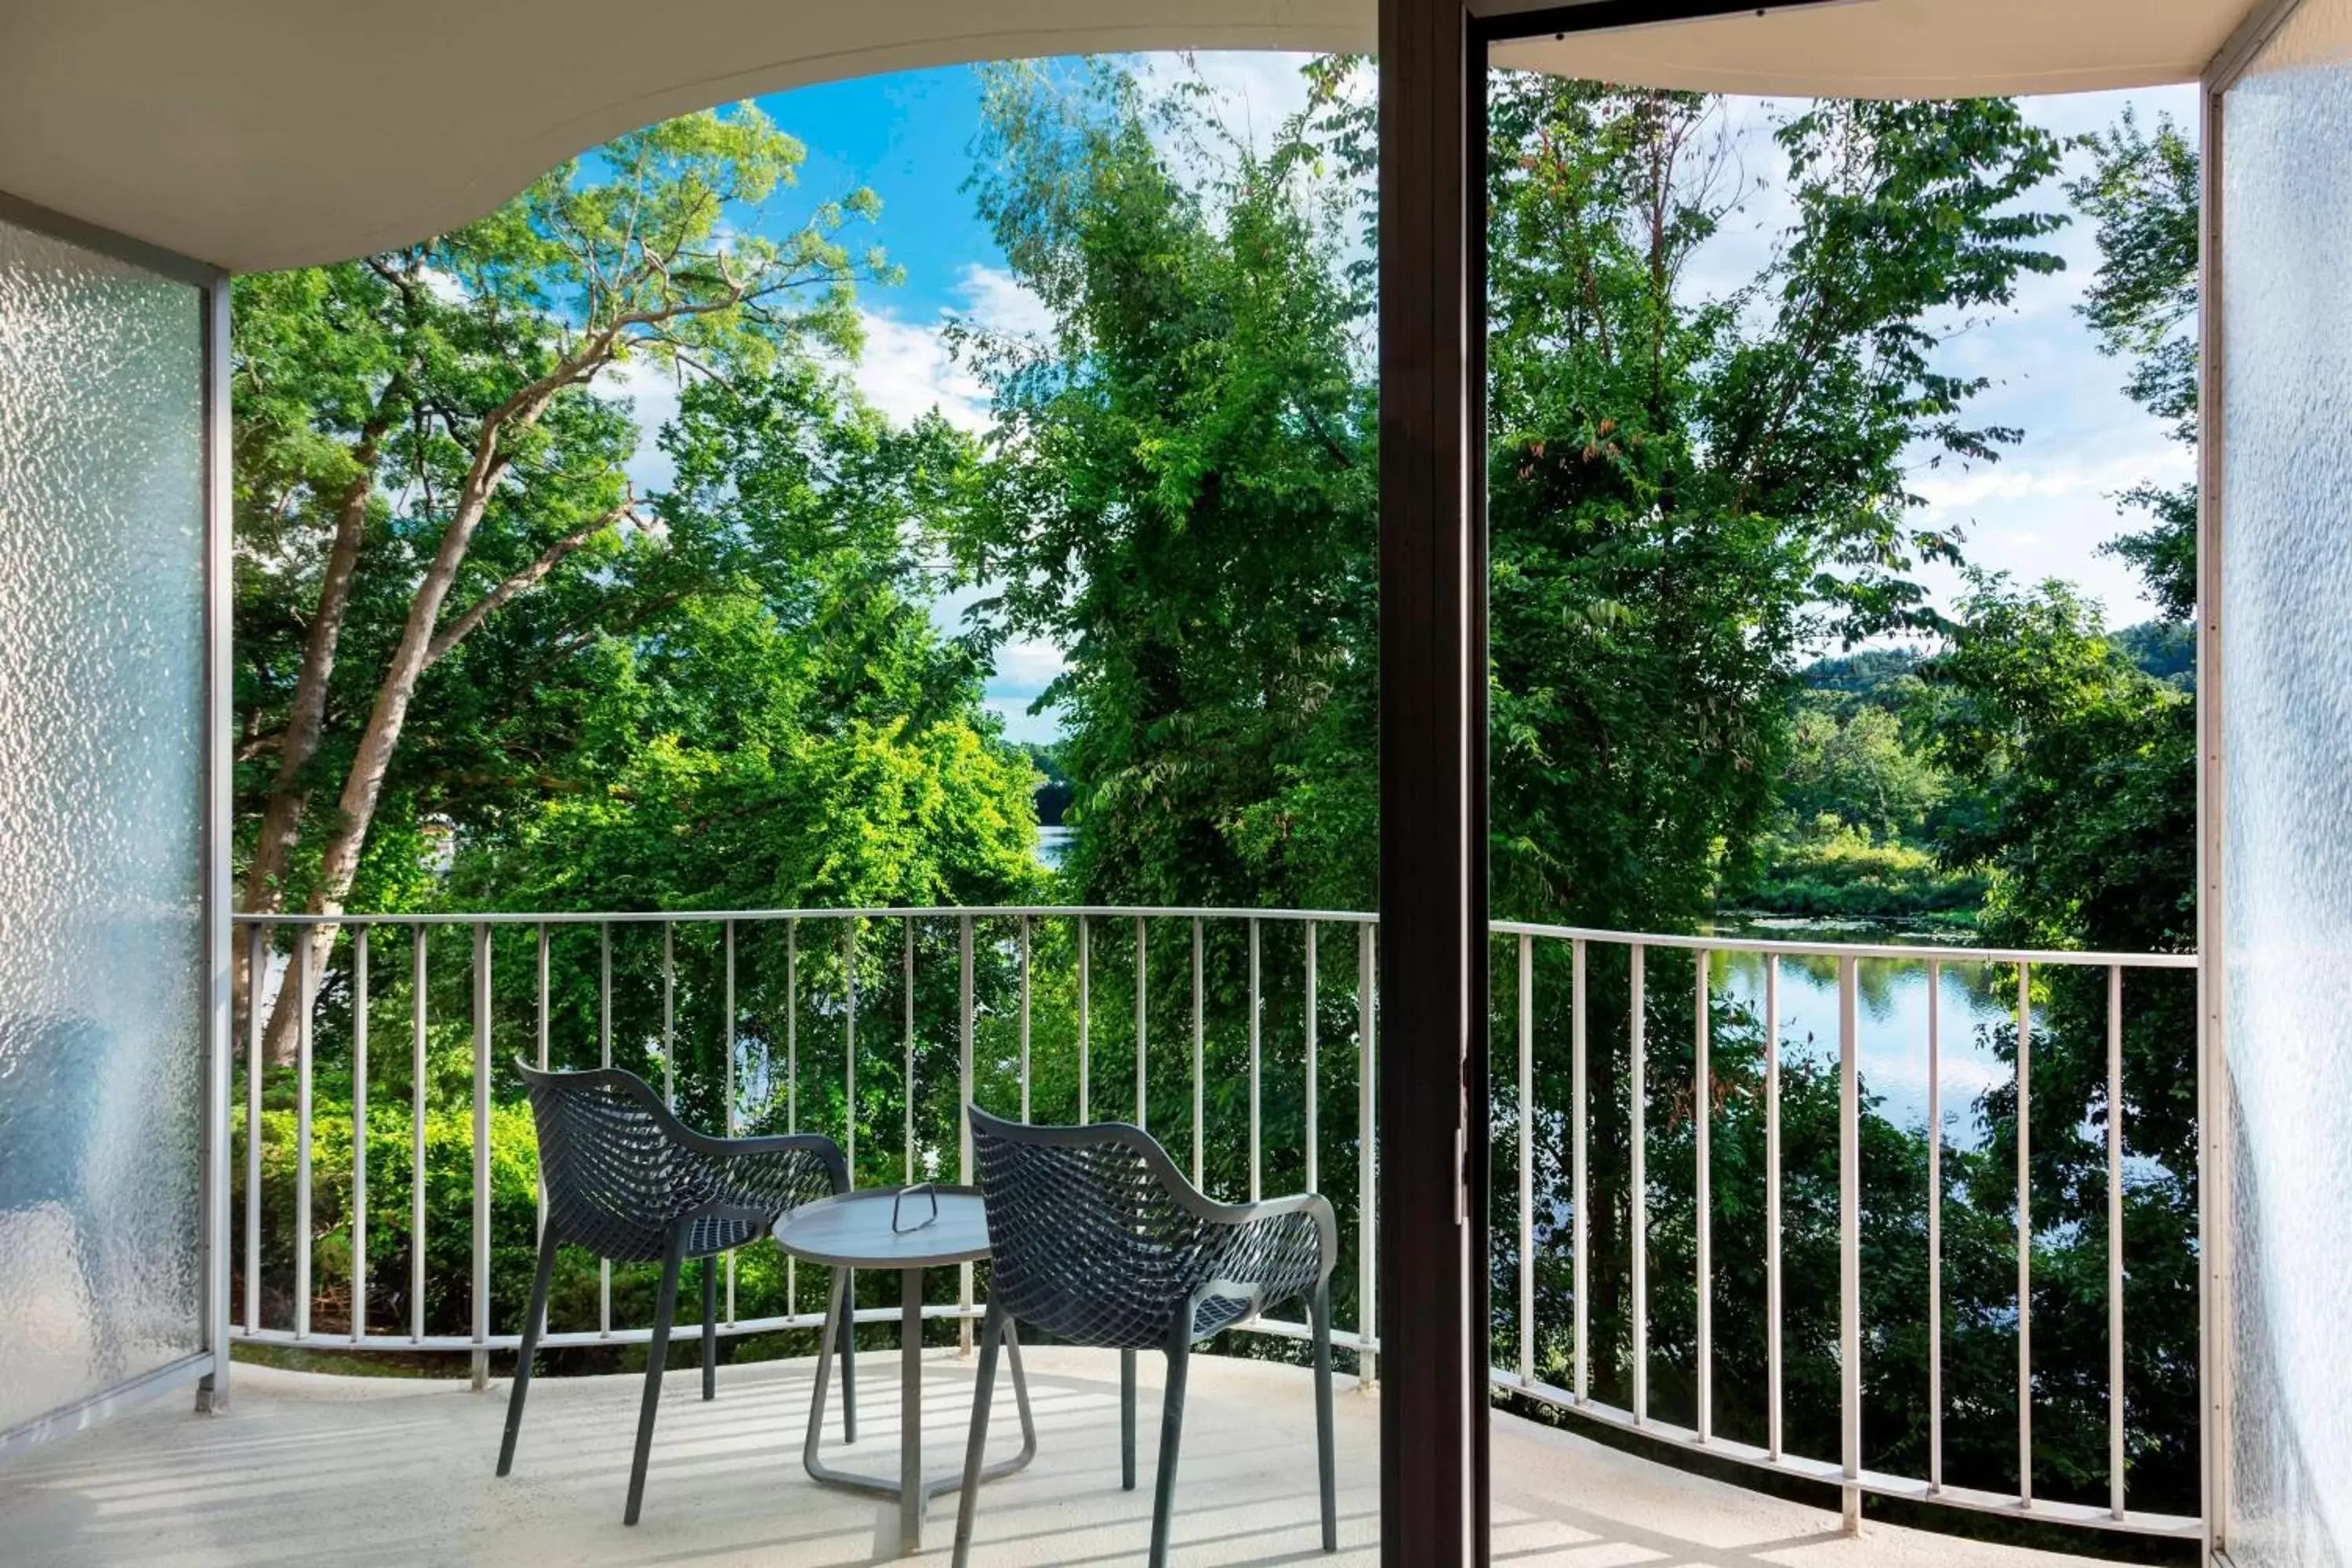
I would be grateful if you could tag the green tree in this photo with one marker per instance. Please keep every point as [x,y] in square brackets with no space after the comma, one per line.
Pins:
[421,445]
[2084,768]
[2142,193]
[1180,493]
[1687,491]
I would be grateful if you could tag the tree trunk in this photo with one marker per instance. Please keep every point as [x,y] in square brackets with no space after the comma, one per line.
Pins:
[281,818]
[418,647]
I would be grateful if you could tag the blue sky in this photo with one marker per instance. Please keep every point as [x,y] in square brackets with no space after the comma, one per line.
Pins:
[2040,513]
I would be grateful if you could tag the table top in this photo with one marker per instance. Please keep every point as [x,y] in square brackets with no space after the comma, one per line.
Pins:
[852,1230]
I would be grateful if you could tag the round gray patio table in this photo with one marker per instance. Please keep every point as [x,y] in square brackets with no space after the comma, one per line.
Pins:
[897,1228]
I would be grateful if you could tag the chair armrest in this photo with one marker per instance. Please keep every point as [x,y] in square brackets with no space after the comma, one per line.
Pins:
[765,1176]
[1261,1257]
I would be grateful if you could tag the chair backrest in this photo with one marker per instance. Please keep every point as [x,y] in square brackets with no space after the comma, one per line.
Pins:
[610,1152]
[1094,1235]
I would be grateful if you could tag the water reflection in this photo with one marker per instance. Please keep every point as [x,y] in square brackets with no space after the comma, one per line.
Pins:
[1891,1017]
[1054,845]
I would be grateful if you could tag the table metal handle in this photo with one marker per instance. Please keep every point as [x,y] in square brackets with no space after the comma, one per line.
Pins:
[928,1191]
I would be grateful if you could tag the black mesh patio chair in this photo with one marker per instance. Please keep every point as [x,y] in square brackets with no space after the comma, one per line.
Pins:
[1098,1239]
[627,1181]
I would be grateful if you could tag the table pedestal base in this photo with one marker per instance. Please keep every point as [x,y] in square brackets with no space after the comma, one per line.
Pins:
[913,1490]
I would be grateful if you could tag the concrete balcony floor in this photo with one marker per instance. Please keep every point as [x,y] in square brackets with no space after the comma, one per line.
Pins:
[365,1471]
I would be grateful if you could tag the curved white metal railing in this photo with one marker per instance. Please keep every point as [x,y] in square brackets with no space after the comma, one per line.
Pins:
[362,934]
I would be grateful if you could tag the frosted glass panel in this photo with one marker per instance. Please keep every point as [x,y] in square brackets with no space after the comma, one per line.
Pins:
[2286,516]
[101,793]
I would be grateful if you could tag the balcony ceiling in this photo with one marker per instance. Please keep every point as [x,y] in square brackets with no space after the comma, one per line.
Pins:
[266,133]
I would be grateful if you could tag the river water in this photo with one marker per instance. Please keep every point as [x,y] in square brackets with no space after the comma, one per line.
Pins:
[1890,1015]
[1891,1012]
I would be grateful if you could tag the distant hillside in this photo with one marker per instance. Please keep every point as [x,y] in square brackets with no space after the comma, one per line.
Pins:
[1862,674]
[2165,650]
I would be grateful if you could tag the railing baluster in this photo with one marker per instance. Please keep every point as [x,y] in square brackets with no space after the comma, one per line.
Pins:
[732,1039]
[2115,1240]
[1935,1227]
[538,1231]
[1200,1053]
[605,1059]
[1849,1246]
[1085,1018]
[1640,1181]
[669,1014]
[1256,1160]
[849,1042]
[907,1079]
[1142,1055]
[1579,1150]
[963,1115]
[1773,1366]
[1314,1114]
[1703,1111]
[2024,1236]
[482,1357]
[416,1141]
[257,961]
[302,987]
[1367,1152]
[1526,1158]
[542,996]
[359,1131]
[1024,1017]
[792,1079]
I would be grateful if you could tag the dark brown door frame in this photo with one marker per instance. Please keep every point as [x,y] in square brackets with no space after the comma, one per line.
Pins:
[1434,1092]
[1433,783]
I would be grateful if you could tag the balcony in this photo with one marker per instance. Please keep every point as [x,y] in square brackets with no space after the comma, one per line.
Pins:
[1248,1041]
[399,1470]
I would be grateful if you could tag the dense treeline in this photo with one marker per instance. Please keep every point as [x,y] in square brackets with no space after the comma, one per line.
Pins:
[478,670]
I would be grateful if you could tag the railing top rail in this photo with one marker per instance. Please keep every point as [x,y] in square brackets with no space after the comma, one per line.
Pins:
[927,912]
[1918,953]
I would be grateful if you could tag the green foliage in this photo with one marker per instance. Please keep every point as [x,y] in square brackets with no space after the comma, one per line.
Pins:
[1829,867]
[1688,491]
[461,398]
[1180,494]
[2142,193]
[2085,766]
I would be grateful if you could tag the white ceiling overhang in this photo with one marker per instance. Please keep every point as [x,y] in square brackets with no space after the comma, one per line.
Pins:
[265,134]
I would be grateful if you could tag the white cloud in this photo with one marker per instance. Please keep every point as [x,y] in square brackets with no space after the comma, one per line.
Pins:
[1026,668]
[1255,89]
[1020,724]
[907,369]
[996,301]
[906,372]
[652,391]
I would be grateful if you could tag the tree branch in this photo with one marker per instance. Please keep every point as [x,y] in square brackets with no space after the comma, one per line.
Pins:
[457,631]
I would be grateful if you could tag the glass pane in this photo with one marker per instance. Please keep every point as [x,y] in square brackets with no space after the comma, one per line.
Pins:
[101,946]
[2286,484]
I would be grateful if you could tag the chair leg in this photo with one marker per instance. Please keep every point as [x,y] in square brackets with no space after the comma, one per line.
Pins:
[992,1334]
[849,1355]
[1171,1433]
[710,1327]
[1126,1419]
[1324,1460]
[656,1353]
[531,1327]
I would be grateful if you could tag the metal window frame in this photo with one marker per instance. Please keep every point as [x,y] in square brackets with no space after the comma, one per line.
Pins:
[208,1369]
